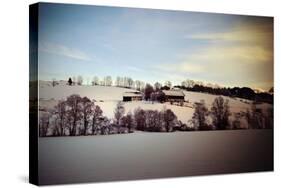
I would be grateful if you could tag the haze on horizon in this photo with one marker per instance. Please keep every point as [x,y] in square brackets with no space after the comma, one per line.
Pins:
[155,45]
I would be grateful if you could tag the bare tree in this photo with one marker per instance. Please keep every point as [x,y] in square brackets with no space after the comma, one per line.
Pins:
[169,119]
[160,121]
[200,83]
[160,97]
[150,120]
[139,117]
[125,82]
[74,112]
[127,121]
[96,116]
[95,81]
[142,86]
[154,120]
[188,83]
[183,84]
[104,126]
[118,81]
[157,86]
[121,83]
[236,123]
[255,118]
[199,118]
[61,110]
[44,123]
[168,84]
[153,96]
[108,81]
[138,85]
[119,112]
[147,91]
[130,82]
[86,112]
[220,113]
[102,83]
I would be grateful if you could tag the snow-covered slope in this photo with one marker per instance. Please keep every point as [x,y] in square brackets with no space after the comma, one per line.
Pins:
[235,103]
[107,98]
[47,91]
[146,155]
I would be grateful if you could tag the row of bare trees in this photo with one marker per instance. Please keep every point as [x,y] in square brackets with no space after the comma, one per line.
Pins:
[77,116]
[126,82]
[73,116]
[218,117]
[257,119]
[154,120]
[80,116]
[145,120]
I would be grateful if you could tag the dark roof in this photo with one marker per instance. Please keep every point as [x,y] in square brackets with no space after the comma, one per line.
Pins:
[132,94]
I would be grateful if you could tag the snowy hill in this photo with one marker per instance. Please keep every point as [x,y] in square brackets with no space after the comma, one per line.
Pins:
[107,97]
[62,90]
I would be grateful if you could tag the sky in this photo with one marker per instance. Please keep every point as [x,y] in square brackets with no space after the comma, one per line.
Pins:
[155,45]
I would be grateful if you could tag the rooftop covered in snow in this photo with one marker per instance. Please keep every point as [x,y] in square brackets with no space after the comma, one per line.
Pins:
[173,93]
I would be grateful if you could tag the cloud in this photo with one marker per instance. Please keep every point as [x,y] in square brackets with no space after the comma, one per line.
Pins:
[63,51]
[235,54]
[258,33]
[182,67]
[230,66]
[221,60]
[239,56]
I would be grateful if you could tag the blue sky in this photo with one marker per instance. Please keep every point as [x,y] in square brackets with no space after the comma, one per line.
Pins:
[155,45]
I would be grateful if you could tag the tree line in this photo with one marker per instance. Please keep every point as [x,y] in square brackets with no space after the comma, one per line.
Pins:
[74,116]
[218,117]
[241,92]
[188,85]
[77,116]
[126,82]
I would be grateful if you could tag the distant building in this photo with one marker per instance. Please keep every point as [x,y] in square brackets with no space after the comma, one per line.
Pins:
[174,95]
[132,96]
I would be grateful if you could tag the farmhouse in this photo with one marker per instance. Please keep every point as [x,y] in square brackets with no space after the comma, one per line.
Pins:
[174,95]
[132,96]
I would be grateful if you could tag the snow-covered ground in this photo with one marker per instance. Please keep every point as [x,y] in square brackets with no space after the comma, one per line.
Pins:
[144,155]
[47,91]
[107,98]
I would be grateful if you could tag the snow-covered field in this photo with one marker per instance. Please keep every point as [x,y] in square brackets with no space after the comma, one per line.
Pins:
[144,155]
[107,98]
[47,91]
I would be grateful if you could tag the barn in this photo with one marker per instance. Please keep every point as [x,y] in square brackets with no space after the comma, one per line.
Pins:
[174,95]
[132,96]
